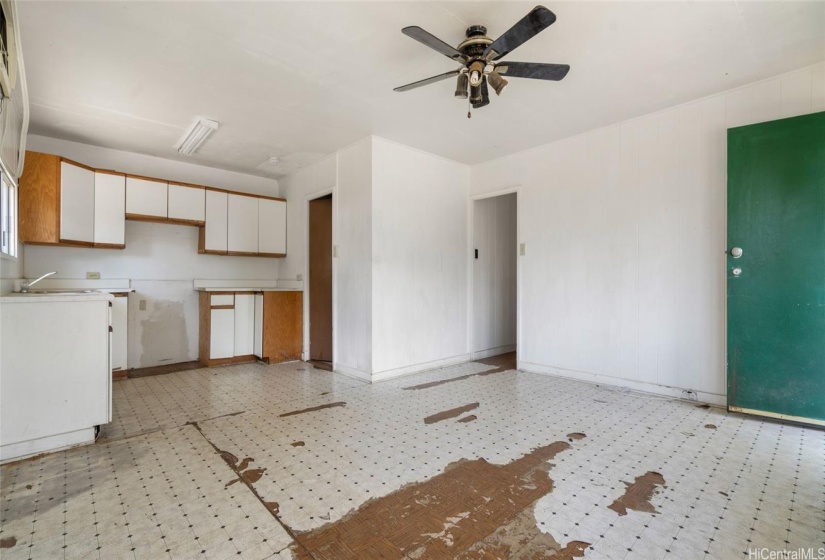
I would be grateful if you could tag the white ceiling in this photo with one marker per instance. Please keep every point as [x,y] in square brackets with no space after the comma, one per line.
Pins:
[299,80]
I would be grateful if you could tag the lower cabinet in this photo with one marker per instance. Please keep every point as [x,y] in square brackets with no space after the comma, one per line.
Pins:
[240,327]
[120,321]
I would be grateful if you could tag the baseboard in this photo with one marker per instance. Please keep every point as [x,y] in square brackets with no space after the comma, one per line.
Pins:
[351,372]
[490,352]
[777,416]
[50,444]
[599,379]
[418,368]
[160,370]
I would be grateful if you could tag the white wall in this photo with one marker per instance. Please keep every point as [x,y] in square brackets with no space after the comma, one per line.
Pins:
[161,260]
[352,240]
[494,275]
[623,280]
[419,260]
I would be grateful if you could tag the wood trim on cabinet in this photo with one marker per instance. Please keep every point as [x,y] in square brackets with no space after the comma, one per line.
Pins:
[109,172]
[204,326]
[222,307]
[73,243]
[271,255]
[109,245]
[78,164]
[145,178]
[39,200]
[120,294]
[256,195]
[161,220]
[188,185]
[229,361]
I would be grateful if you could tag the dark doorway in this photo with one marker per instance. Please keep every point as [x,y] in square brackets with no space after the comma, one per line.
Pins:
[320,279]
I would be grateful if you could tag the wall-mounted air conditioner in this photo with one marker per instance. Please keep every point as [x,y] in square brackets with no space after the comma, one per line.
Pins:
[8,50]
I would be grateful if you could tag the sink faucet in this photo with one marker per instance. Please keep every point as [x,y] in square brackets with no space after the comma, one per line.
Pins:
[24,287]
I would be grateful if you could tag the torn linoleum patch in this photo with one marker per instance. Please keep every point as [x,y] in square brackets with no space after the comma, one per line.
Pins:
[637,495]
[453,513]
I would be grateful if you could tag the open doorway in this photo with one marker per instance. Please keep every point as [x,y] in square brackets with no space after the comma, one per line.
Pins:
[495,254]
[320,282]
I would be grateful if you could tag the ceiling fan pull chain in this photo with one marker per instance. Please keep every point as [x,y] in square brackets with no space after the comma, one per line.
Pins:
[469,109]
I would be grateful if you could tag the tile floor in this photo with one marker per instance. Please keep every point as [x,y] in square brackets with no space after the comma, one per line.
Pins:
[156,484]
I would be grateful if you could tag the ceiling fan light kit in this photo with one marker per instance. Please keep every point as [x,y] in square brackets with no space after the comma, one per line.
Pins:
[479,56]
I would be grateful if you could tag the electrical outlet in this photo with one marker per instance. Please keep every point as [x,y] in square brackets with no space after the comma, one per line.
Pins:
[142,305]
[93,276]
[299,277]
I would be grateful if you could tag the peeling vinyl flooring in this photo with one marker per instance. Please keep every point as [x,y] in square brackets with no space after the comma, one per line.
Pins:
[470,461]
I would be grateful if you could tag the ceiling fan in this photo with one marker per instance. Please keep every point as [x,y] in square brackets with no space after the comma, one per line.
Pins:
[480,58]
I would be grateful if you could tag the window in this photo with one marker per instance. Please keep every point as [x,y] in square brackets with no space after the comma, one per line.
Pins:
[8,215]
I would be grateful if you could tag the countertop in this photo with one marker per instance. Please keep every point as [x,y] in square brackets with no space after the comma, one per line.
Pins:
[247,289]
[59,297]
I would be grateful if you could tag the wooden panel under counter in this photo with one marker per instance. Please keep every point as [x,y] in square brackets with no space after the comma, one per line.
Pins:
[283,326]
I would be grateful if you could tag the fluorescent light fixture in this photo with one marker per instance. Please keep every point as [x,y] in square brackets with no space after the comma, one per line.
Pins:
[199,132]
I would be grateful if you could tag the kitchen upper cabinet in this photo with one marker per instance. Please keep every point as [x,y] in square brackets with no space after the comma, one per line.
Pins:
[213,234]
[109,209]
[272,227]
[77,203]
[62,202]
[146,198]
[242,224]
[187,203]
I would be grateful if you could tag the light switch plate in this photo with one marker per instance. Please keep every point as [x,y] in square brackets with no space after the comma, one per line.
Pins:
[92,276]
[334,251]
[142,305]
[522,249]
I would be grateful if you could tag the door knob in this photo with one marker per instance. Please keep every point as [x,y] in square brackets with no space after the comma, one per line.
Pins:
[736,252]
[736,271]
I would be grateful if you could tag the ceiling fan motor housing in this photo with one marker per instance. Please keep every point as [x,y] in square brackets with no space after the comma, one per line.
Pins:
[475,43]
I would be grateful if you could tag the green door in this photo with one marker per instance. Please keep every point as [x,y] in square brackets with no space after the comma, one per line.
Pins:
[776,288]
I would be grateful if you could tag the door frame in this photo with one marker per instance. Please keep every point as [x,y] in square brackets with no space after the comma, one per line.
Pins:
[309,198]
[471,257]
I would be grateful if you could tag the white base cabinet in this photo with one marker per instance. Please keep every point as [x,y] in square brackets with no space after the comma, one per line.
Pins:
[235,327]
[54,371]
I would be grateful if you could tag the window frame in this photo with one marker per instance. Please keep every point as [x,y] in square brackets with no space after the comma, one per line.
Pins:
[9,246]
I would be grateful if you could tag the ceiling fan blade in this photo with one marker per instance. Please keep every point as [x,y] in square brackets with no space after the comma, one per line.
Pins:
[485,96]
[539,19]
[433,42]
[534,70]
[432,80]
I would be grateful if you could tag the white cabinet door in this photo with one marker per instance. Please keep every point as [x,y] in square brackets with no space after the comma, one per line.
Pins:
[271,226]
[258,349]
[120,306]
[222,334]
[187,203]
[77,203]
[145,197]
[110,208]
[216,216]
[244,324]
[242,224]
